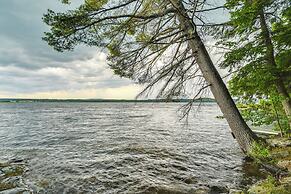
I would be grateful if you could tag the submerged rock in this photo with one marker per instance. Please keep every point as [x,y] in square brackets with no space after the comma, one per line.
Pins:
[16,161]
[2,174]
[163,190]
[220,117]
[190,180]
[11,181]
[236,191]
[218,189]
[10,171]
[16,191]
[202,191]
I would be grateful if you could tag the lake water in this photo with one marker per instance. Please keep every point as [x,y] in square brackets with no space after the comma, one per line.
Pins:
[120,147]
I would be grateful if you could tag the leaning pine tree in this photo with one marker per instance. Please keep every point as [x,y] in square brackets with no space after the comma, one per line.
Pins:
[150,41]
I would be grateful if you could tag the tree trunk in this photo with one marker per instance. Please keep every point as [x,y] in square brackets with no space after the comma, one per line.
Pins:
[242,133]
[270,56]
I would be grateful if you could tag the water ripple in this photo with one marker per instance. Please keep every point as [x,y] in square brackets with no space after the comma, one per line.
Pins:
[119,148]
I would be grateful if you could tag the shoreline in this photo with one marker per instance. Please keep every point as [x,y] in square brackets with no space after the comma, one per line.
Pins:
[280,160]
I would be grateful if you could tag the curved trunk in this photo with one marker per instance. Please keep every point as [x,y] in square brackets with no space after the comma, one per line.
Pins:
[243,134]
[270,56]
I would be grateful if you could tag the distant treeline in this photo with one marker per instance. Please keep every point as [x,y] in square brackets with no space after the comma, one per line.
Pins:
[18,100]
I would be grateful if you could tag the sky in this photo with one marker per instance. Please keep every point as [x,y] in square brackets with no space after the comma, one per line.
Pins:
[29,68]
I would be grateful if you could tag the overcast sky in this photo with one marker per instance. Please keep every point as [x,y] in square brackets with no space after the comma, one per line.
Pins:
[31,69]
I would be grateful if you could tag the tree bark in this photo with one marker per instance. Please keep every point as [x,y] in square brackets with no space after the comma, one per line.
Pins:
[270,57]
[243,134]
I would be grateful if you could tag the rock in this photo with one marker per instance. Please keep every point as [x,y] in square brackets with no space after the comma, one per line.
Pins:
[248,159]
[2,165]
[2,174]
[71,190]
[16,161]
[279,142]
[11,181]
[15,181]
[280,154]
[220,117]
[12,170]
[236,191]
[205,190]
[165,190]
[190,180]
[218,189]
[286,180]
[7,170]
[16,191]
[285,164]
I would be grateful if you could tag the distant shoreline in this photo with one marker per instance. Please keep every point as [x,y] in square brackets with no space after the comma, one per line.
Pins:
[20,100]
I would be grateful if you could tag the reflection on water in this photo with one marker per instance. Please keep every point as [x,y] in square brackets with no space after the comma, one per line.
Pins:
[120,148]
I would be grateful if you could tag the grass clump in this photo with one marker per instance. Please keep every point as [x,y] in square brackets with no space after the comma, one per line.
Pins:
[270,186]
[260,152]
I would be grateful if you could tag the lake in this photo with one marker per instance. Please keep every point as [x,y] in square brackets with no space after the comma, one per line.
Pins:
[120,147]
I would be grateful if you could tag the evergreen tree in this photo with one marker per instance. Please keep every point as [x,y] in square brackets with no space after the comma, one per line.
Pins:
[257,40]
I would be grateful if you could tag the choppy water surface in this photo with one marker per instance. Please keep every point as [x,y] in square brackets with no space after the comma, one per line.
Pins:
[119,147]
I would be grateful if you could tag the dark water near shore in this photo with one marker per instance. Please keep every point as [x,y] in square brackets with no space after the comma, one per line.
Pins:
[119,147]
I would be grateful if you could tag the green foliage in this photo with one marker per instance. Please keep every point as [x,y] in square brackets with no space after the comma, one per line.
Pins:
[282,28]
[131,30]
[271,180]
[94,5]
[267,186]
[244,14]
[94,23]
[254,80]
[75,26]
[114,49]
[143,37]
[260,152]
[270,183]
[65,1]
[265,112]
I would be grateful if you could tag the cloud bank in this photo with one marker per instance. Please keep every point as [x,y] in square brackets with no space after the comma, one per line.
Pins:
[31,69]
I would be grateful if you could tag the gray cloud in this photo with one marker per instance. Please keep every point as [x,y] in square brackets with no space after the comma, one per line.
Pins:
[28,65]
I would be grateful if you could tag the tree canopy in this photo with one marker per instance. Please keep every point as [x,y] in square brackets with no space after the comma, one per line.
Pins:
[257,43]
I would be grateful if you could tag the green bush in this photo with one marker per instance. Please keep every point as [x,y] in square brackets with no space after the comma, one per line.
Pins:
[260,152]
